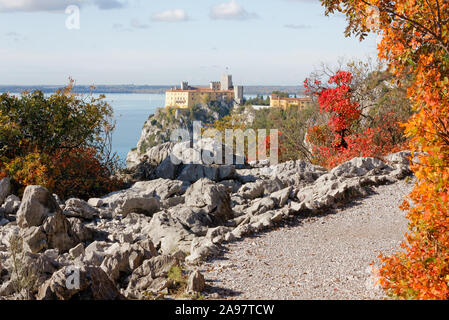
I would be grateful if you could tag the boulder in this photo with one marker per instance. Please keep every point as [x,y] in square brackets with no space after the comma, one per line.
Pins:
[93,284]
[399,158]
[37,203]
[113,265]
[146,206]
[194,219]
[78,231]
[200,250]
[95,202]
[77,251]
[194,172]
[217,235]
[3,221]
[94,253]
[196,282]
[261,206]
[166,170]
[289,173]
[145,276]
[11,204]
[58,232]
[252,190]
[34,239]
[167,233]
[214,198]
[160,189]
[79,209]
[359,166]
[157,154]
[5,189]
[281,196]
[273,185]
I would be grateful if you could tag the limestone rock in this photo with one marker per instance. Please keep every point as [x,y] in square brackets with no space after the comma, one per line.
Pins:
[214,198]
[79,209]
[11,204]
[77,251]
[201,249]
[37,204]
[195,219]
[261,206]
[34,239]
[5,189]
[144,276]
[58,231]
[141,205]
[95,202]
[167,233]
[196,282]
[94,284]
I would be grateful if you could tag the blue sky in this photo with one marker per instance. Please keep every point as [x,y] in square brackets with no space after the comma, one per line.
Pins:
[262,42]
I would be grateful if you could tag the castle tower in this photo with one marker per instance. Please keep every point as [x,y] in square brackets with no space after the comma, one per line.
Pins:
[226,82]
[238,94]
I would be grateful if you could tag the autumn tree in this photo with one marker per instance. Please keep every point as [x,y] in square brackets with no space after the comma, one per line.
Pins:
[415,40]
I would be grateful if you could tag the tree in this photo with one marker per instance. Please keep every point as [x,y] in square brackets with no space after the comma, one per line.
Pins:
[346,136]
[281,94]
[339,103]
[415,40]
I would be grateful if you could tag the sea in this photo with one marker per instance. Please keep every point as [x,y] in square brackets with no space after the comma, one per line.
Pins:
[131,110]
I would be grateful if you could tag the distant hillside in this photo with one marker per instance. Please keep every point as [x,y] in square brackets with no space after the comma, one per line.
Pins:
[88,89]
[263,90]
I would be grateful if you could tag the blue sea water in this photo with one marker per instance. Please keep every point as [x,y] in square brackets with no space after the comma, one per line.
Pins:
[130,113]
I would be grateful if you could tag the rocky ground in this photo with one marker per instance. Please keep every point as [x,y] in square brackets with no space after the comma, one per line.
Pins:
[147,241]
[323,257]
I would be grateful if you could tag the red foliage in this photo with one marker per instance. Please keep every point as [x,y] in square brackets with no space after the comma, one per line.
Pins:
[343,138]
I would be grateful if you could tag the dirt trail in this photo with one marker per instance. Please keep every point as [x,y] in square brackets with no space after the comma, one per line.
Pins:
[325,257]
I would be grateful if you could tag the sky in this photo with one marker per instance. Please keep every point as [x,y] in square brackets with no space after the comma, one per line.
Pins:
[154,42]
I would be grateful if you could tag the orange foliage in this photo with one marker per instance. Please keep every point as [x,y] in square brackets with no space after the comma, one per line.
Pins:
[415,39]
[68,173]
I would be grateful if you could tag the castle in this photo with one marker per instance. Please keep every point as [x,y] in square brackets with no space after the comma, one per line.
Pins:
[187,96]
[277,101]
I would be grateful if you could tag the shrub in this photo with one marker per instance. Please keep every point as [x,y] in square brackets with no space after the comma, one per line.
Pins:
[62,142]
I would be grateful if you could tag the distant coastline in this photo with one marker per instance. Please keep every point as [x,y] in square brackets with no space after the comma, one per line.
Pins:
[144,89]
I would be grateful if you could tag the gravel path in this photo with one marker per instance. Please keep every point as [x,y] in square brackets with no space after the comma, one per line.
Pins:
[324,257]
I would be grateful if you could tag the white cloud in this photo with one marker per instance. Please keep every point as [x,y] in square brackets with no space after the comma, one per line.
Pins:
[175,15]
[230,11]
[55,5]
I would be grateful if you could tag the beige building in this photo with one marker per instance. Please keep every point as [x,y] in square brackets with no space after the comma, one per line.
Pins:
[187,96]
[284,103]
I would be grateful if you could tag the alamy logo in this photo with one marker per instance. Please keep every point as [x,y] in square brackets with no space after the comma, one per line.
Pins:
[73,22]
[73,278]
[207,147]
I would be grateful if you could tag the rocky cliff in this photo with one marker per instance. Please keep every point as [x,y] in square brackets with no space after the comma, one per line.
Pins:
[158,128]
